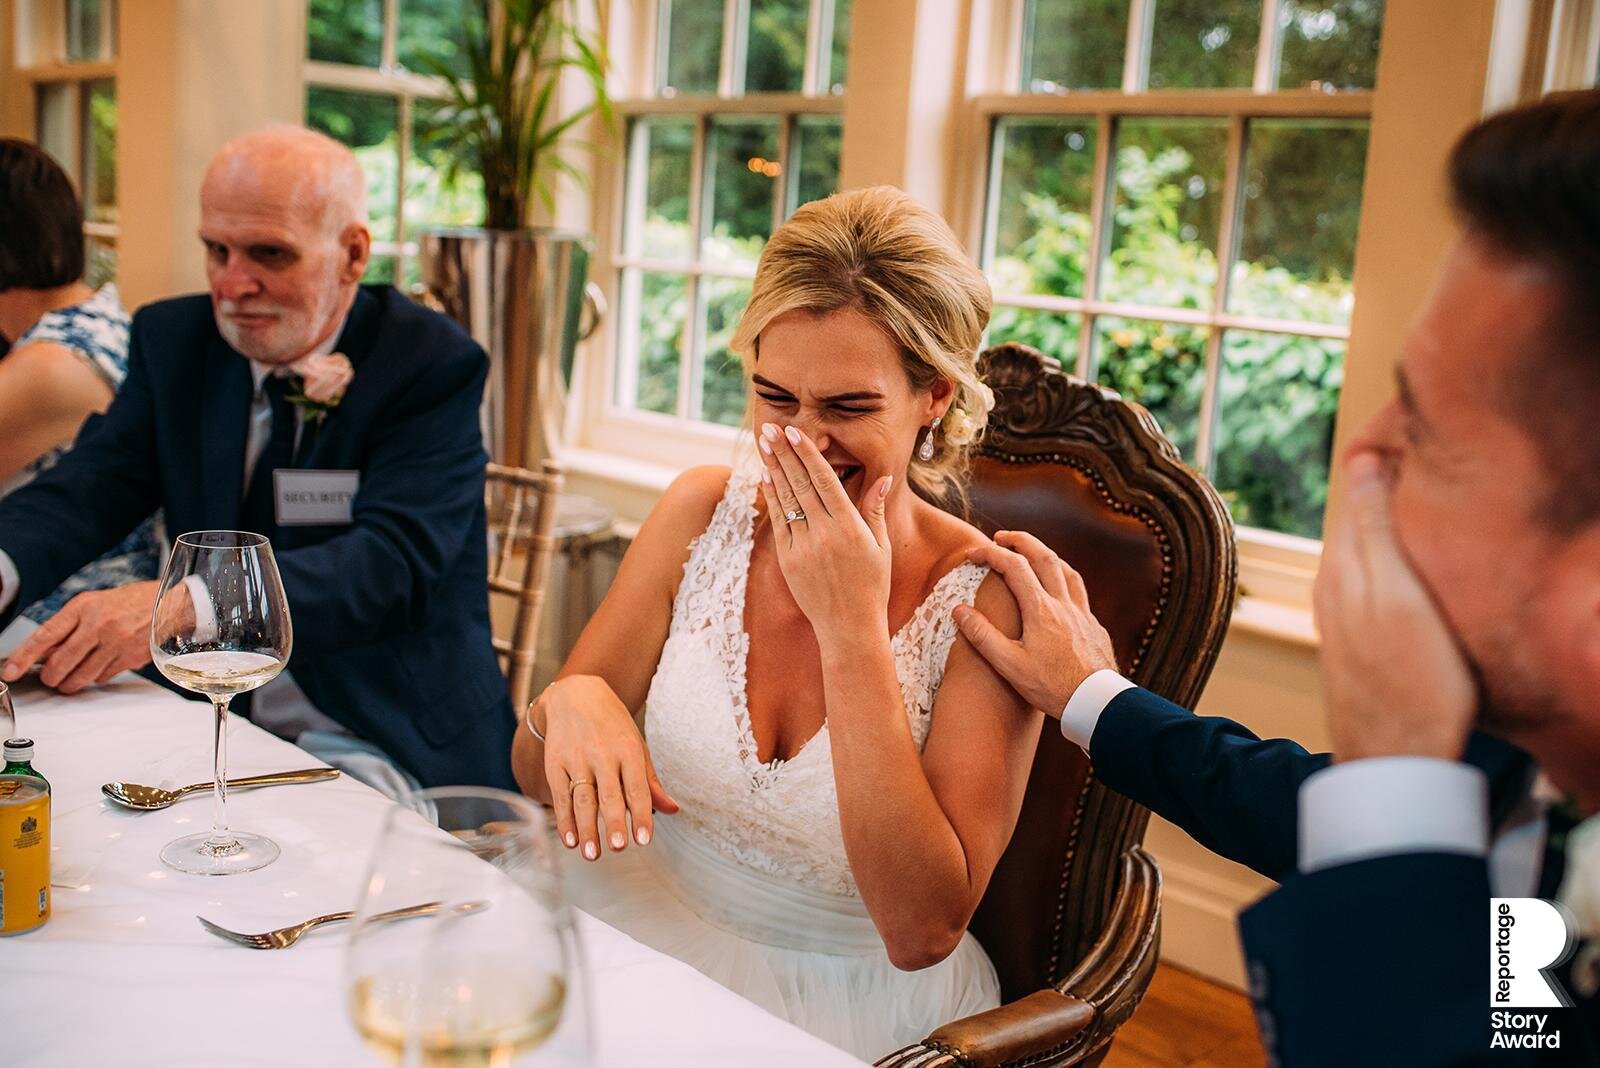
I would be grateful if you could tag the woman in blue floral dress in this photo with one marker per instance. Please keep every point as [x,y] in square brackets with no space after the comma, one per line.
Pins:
[68,350]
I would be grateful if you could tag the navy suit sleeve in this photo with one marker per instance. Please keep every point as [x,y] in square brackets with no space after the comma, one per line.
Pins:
[92,498]
[1377,962]
[420,498]
[1234,793]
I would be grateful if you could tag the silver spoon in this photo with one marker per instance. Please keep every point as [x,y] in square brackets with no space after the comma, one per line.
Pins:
[149,798]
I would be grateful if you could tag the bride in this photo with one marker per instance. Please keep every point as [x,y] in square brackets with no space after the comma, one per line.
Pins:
[837,772]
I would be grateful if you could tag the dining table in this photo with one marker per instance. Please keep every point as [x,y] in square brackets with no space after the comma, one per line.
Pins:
[124,974]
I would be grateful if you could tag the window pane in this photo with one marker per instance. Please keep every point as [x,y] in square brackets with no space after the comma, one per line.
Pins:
[1297,240]
[662,313]
[1278,395]
[380,269]
[722,391]
[668,145]
[435,197]
[1052,333]
[86,25]
[691,46]
[1158,365]
[368,124]
[775,61]
[100,152]
[1204,44]
[814,152]
[1334,42]
[100,261]
[840,53]
[1168,210]
[345,31]
[1041,221]
[1073,44]
[742,173]
[436,30]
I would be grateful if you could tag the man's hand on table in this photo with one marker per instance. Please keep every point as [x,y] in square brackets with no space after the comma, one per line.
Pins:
[1062,643]
[1394,679]
[95,635]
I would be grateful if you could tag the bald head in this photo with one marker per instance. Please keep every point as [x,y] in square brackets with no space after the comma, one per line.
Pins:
[306,172]
[283,215]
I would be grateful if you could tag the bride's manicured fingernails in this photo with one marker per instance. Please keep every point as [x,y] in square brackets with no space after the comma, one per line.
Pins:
[792,434]
[618,840]
[641,835]
[769,431]
[571,839]
[765,447]
[766,476]
[591,851]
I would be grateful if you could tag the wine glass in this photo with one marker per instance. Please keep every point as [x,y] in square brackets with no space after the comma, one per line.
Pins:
[8,713]
[220,627]
[493,971]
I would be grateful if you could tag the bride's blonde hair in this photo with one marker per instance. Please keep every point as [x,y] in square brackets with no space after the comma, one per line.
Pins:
[881,253]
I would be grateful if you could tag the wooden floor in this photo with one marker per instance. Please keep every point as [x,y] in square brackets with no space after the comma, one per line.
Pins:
[1188,1022]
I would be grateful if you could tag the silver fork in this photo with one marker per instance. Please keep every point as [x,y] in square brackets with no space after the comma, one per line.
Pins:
[284,937]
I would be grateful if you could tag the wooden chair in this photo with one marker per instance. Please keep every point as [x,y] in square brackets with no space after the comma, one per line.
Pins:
[522,516]
[1072,917]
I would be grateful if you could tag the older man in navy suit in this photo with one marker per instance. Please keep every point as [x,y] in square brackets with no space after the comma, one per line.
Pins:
[294,383]
[1459,609]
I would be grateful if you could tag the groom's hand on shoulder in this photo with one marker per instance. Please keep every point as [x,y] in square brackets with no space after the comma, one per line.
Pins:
[1062,643]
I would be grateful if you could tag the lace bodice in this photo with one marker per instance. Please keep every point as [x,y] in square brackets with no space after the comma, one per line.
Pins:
[781,818]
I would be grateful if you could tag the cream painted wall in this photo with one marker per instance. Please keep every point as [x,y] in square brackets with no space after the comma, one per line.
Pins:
[205,72]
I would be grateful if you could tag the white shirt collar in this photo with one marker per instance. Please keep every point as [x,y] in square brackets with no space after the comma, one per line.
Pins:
[260,371]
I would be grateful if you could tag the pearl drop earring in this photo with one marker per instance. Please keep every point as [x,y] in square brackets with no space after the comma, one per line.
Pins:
[926,452]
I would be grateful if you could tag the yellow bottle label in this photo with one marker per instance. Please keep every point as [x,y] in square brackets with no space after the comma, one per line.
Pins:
[24,853]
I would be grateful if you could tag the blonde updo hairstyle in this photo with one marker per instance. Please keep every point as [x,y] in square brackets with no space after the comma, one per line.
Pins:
[881,253]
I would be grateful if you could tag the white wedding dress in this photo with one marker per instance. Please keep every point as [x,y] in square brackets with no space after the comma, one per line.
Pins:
[749,882]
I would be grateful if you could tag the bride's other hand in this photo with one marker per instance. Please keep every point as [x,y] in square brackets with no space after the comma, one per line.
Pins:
[598,767]
[835,559]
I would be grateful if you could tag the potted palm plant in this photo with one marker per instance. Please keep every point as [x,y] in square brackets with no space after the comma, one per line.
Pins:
[521,291]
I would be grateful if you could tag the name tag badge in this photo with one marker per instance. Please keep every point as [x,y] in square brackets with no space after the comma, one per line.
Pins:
[314,498]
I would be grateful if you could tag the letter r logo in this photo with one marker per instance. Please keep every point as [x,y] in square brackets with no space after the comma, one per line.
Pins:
[1528,936]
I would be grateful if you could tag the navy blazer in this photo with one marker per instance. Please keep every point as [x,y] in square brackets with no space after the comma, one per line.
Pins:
[1380,961]
[390,612]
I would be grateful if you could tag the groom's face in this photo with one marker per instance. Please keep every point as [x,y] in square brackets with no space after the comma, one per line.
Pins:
[1470,487]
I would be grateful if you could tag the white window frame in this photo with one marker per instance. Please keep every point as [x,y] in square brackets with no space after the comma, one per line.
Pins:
[633,434]
[42,65]
[388,79]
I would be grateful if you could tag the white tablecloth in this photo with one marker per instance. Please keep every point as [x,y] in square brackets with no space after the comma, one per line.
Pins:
[122,974]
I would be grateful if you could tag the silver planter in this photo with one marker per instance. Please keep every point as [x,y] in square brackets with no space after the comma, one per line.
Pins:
[523,295]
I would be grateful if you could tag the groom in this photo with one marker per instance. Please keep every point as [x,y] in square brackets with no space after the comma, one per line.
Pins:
[1460,593]
[339,420]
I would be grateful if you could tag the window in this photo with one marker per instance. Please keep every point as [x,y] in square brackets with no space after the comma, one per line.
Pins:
[733,123]
[71,63]
[366,87]
[1191,247]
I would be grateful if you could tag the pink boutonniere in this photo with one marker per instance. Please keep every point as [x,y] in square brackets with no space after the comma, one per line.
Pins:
[321,382]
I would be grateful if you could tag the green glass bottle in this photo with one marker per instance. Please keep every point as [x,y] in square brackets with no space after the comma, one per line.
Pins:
[19,759]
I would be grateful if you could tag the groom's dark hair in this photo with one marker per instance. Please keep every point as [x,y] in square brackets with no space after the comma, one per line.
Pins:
[1528,180]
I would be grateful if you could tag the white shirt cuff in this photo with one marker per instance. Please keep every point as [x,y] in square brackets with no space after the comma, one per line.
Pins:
[1088,701]
[1384,806]
[205,614]
[10,581]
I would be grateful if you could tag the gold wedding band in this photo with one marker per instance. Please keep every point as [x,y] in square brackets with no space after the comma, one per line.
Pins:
[572,787]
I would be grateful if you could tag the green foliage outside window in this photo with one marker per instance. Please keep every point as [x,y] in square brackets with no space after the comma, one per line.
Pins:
[1277,395]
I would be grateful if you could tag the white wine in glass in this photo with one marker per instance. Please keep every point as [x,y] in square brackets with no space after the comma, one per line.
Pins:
[220,627]
[494,973]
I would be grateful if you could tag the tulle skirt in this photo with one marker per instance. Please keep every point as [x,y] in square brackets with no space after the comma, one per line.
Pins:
[812,958]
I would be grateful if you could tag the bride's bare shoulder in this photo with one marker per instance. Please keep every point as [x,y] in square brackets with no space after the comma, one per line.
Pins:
[685,509]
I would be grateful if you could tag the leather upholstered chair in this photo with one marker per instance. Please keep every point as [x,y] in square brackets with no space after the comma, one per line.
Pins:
[1072,917]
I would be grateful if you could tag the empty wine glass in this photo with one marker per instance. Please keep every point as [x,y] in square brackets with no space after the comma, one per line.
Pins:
[221,627]
[493,973]
[8,714]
